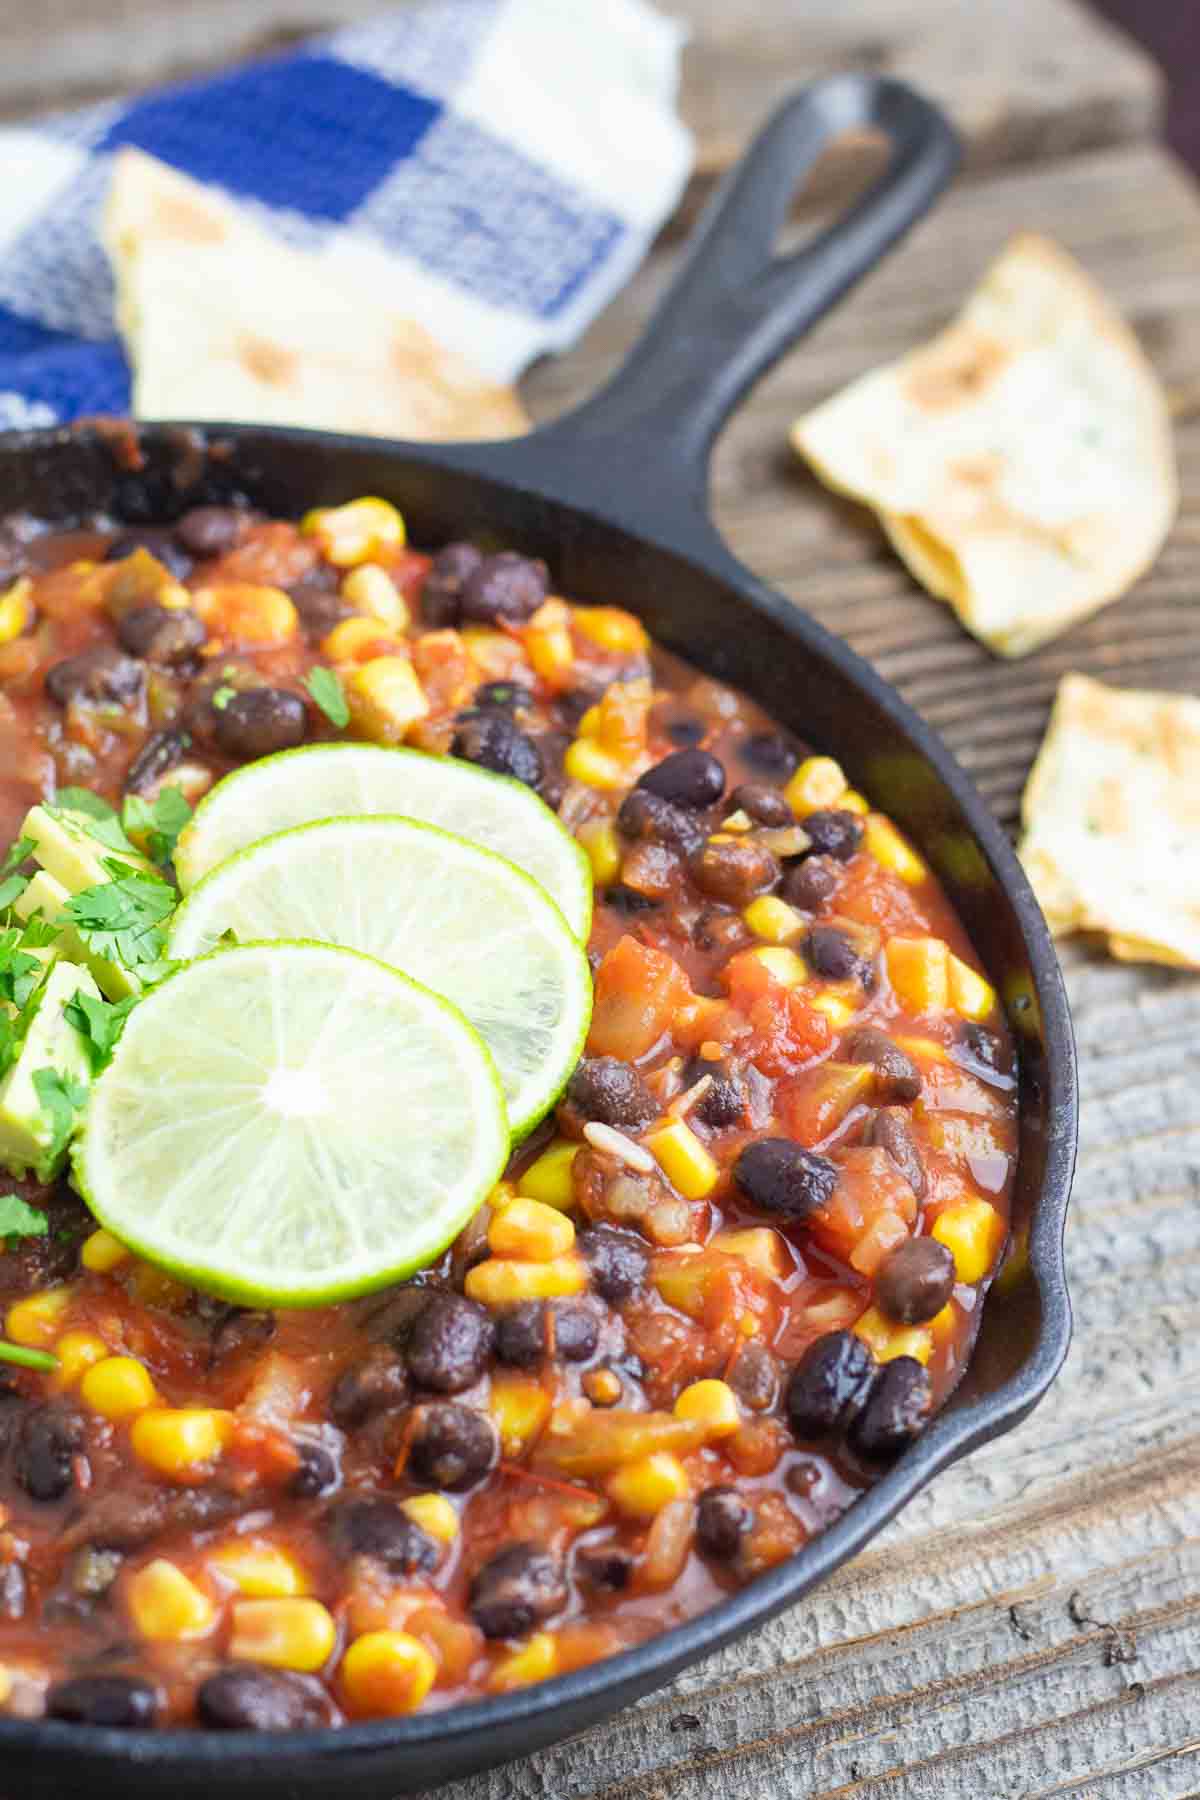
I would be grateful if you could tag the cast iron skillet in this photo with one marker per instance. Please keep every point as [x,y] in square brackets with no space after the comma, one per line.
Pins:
[614,498]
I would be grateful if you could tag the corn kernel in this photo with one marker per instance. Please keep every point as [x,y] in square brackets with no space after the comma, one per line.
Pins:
[760,1246]
[712,1404]
[534,1661]
[532,1230]
[643,1488]
[165,1606]
[434,1514]
[602,1387]
[773,920]
[34,1321]
[888,848]
[497,656]
[386,1674]
[76,1351]
[784,966]
[611,629]
[970,994]
[353,640]
[548,643]
[385,698]
[180,1441]
[918,969]
[585,761]
[589,724]
[6,1685]
[256,615]
[291,1633]
[102,1253]
[549,1178]
[502,1195]
[371,590]
[602,846]
[737,822]
[973,1232]
[16,609]
[519,1407]
[817,783]
[684,1160]
[259,1571]
[836,1007]
[888,1340]
[853,802]
[117,1388]
[502,1282]
[356,532]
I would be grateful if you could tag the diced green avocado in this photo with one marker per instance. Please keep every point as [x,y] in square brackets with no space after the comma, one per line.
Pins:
[51,1042]
[68,850]
[47,898]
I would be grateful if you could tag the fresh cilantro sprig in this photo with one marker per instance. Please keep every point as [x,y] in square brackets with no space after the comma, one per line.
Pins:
[61,1101]
[20,1220]
[157,823]
[326,691]
[122,918]
[99,1023]
[20,973]
[12,882]
[102,821]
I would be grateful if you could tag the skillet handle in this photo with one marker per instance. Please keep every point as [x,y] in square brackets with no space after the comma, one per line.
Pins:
[734,306]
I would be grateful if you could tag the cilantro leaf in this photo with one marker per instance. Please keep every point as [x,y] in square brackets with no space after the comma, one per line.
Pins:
[12,882]
[122,918]
[10,1040]
[18,1219]
[100,1022]
[60,1100]
[102,821]
[325,688]
[17,853]
[158,822]
[20,973]
[11,889]
[39,932]
[82,800]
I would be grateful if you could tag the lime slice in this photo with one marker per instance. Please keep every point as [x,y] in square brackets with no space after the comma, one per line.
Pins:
[456,918]
[289,1124]
[334,781]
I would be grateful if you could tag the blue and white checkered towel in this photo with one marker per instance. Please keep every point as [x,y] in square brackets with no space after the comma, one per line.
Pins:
[512,158]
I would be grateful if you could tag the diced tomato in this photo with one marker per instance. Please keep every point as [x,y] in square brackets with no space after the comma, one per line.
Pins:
[786,1031]
[869,1187]
[446,672]
[408,569]
[873,896]
[638,992]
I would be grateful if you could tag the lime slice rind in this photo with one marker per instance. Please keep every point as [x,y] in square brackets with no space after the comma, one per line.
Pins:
[325,781]
[291,1124]
[459,919]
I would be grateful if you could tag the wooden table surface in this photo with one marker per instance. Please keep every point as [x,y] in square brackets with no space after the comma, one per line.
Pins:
[1030,1626]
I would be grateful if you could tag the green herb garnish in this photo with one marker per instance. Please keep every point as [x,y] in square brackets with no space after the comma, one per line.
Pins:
[20,973]
[102,821]
[99,1022]
[221,698]
[325,688]
[157,822]
[61,1100]
[20,1220]
[122,918]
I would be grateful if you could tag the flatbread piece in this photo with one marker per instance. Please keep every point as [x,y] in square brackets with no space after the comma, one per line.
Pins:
[1111,818]
[1021,463]
[223,320]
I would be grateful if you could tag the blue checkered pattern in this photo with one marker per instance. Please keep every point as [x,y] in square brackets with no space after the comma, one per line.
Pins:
[392,133]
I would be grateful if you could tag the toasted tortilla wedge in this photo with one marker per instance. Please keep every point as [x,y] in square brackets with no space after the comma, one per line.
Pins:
[1022,462]
[1112,820]
[222,320]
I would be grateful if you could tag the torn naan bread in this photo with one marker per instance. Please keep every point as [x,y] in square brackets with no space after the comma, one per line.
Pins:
[1021,463]
[1111,818]
[223,320]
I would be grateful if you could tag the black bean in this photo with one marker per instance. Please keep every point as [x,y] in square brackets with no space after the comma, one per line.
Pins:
[897,1076]
[781,1177]
[521,1334]
[100,676]
[493,742]
[574,702]
[316,1472]
[915,1281]
[834,833]
[734,870]
[236,1328]
[164,634]
[722,1521]
[158,543]
[162,752]
[503,696]
[318,602]
[606,1566]
[123,1701]
[693,779]
[382,1530]
[261,721]
[525,1332]
[896,1409]
[627,901]
[247,1697]
[888,1130]
[685,732]
[576,1329]
[210,530]
[451,1446]
[765,804]
[724,1103]
[835,956]
[811,884]
[144,497]
[754,1376]
[647,817]
[47,1443]
[769,753]
[610,1092]
[618,1261]
[506,586]
[983,1047]
[829,1385]
[449,1344]
[517,1589]
[376,1383]
[441,593]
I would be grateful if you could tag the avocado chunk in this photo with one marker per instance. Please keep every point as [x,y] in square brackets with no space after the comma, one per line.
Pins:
[47,898]
[27,1132]
[66,847]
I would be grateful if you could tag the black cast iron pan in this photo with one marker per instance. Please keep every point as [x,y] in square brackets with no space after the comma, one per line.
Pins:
[613,497]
